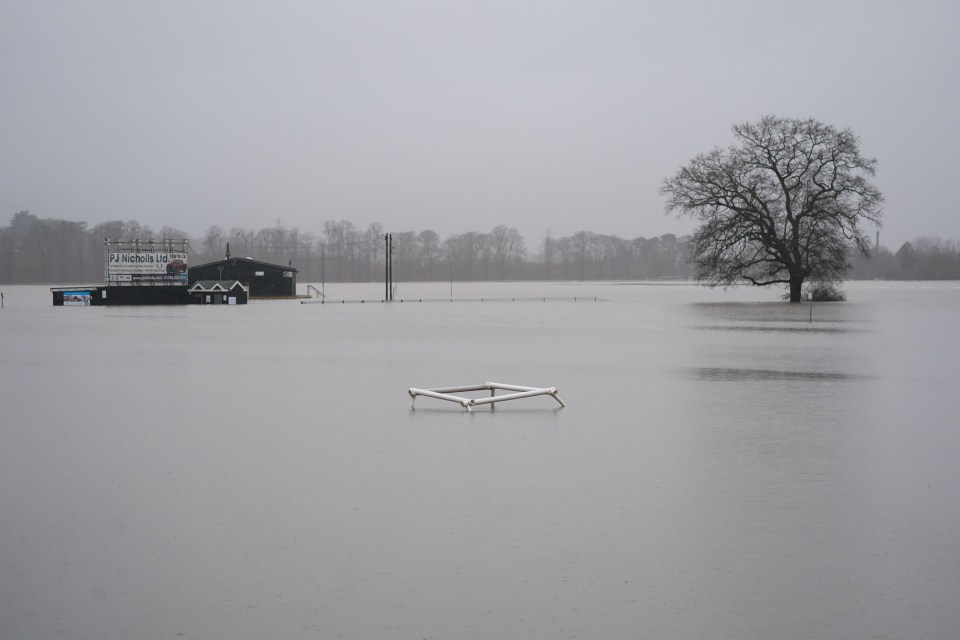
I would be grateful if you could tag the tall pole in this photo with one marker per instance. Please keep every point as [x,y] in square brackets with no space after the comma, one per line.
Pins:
[388,266]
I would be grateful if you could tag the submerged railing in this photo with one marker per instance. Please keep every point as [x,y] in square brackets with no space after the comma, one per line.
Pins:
[512,299]
[447,393]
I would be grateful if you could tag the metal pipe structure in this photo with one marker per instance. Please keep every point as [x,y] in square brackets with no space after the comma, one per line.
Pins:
[464,402]
[447,393]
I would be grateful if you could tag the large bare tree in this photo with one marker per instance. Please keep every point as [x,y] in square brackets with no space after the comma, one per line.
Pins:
[782,205]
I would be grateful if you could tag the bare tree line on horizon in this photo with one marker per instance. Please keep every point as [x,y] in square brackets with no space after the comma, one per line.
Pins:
[34,250]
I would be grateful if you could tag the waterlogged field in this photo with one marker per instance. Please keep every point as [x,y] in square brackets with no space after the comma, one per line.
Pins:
[728,466]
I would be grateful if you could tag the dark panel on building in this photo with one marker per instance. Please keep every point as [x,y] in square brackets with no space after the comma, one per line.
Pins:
[119,295]
[146,295]
[264,279]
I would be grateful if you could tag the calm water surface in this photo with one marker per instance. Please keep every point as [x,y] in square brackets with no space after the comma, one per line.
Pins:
[728,466]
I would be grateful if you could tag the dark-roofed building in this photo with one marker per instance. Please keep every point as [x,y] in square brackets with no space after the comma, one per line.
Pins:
[264,280]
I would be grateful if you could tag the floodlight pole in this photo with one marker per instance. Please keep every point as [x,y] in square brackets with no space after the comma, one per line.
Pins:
[388,265]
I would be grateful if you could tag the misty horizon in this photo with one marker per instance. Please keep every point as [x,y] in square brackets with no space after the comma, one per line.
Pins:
[49,250]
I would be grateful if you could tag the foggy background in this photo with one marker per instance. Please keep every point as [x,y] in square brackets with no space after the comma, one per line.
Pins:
[543,116]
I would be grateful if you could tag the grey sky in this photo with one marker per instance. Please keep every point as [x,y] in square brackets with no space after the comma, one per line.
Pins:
[454,116]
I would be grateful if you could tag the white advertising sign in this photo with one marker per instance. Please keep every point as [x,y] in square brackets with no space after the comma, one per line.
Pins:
[156,267]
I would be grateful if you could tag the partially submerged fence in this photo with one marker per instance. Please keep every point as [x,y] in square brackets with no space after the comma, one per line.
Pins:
[484,299]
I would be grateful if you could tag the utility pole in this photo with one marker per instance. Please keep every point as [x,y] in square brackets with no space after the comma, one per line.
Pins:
[388,260]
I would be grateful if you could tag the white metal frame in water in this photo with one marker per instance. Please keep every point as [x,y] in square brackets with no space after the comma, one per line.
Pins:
[447,393]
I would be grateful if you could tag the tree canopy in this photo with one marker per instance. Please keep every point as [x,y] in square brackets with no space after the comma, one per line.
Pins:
[782,205]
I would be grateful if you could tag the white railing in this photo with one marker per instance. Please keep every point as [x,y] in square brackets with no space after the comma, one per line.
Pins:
[447,393]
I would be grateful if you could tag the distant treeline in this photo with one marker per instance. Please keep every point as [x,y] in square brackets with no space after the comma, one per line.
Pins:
[926,258]
[34,250]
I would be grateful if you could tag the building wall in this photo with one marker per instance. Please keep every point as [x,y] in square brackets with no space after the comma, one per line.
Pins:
[264,280]
[146,295]
[116,295]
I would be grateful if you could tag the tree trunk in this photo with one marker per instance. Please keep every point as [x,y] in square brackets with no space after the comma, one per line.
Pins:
[796,287]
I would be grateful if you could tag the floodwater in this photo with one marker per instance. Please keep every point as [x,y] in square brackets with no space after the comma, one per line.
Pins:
[728,466]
